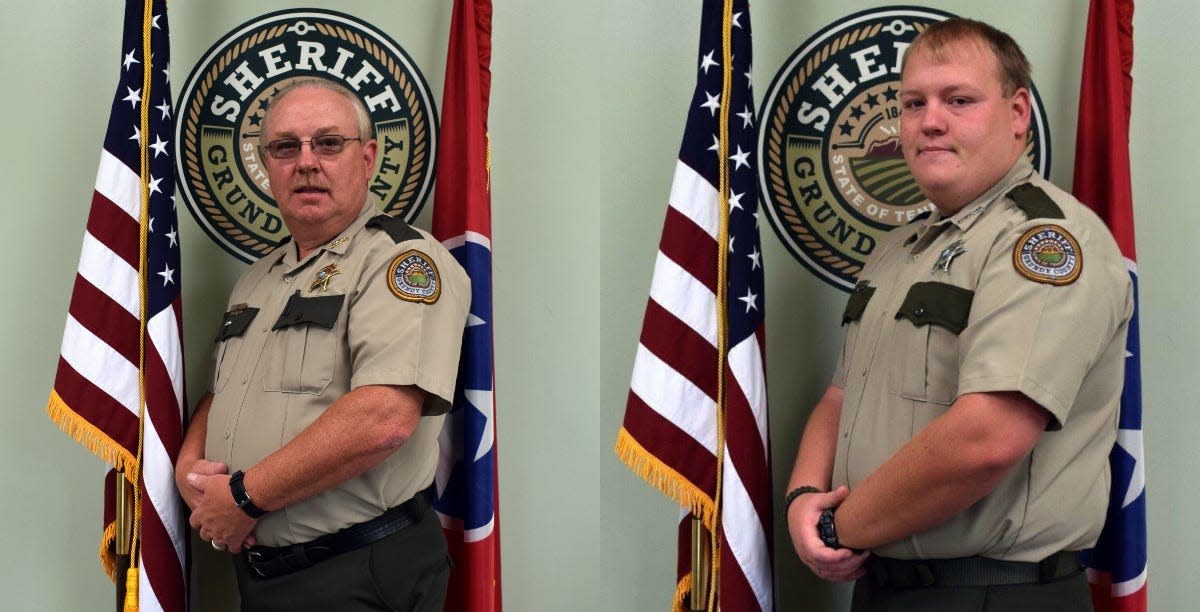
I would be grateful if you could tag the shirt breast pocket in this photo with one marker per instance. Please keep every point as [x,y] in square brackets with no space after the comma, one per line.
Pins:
[935,314]
[228,343]
[300,353]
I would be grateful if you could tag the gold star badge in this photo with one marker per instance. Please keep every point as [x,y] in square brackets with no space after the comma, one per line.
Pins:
[323,276]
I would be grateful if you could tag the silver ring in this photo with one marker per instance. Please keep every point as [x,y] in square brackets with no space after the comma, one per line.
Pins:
[220,547]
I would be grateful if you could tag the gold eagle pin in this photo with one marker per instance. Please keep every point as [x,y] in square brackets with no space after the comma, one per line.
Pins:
[323,276]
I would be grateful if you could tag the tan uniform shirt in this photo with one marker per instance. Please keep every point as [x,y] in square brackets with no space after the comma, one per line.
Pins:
[326,325]
[941,310]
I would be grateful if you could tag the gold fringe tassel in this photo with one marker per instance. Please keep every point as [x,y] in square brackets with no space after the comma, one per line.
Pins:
[131,590]
[660,476]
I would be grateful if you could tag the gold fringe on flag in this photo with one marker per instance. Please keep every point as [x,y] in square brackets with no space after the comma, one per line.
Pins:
[87,435]
[660,476]
[108,546]
[682,594]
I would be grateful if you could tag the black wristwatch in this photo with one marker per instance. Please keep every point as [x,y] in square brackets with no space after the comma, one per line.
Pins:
[826,530]
[241,497]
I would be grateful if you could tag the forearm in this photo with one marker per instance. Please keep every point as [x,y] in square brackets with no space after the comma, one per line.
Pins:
[943,470]
[814,457]
[355,434]
[192,448]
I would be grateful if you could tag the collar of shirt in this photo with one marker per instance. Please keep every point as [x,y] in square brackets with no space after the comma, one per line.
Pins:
[336,245]
[968,215]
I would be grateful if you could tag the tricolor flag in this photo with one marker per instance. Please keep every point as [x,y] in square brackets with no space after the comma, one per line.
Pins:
[468,492]
[696,419]
[119,385]
[1117,565]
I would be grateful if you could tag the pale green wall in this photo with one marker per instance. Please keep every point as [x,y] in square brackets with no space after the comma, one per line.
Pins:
[587,110]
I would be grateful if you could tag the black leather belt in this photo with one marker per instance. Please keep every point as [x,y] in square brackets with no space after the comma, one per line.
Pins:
[274,561]
[969,571]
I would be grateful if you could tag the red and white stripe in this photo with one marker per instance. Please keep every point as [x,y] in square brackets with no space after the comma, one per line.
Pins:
[98,377]
[673,395]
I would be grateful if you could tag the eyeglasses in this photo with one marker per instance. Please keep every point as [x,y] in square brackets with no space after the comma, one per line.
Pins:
[325,145]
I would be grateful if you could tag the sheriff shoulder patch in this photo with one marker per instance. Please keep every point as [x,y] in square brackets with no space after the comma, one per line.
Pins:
[413,277]
[1048,254]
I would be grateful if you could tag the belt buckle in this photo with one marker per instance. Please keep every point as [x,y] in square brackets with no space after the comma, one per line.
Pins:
[253,558]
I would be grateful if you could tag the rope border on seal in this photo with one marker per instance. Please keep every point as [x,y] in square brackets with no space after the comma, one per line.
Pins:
[778,183]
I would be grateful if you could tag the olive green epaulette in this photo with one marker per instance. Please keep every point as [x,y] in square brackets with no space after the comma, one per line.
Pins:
[395,227]
[1034,202]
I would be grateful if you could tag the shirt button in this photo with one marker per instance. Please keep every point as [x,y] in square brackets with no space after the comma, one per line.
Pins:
[287,279]
[920,311]
[846,434]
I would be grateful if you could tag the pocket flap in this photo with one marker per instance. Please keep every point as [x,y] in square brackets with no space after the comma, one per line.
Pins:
[938,304]
[235,322]
[857,304]
[320,310]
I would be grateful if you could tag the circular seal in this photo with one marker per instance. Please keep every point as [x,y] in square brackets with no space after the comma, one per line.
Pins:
[1048,254]
[413,277]
[832,173]
[222,177]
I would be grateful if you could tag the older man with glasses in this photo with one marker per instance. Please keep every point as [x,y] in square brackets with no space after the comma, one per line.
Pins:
[312,455]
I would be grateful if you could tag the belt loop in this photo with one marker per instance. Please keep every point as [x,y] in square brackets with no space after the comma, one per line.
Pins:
[924,575]
[877,572]
[297,554]
[1058,565]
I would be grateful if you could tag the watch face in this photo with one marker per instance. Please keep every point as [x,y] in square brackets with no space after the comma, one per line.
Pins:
[826,530]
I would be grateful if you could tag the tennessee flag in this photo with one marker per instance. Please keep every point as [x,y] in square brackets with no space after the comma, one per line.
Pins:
[468,493]
[1117,565]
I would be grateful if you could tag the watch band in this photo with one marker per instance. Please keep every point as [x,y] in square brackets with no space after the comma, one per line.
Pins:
[241,497]
[827,531]
[797,492]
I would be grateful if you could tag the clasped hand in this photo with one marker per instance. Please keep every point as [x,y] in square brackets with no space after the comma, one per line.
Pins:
[214,514]
[836,565]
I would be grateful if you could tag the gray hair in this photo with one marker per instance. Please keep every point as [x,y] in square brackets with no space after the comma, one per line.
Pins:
[360,110]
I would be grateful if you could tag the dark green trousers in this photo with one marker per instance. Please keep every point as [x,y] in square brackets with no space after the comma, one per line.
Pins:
[1067,594]
[404,572]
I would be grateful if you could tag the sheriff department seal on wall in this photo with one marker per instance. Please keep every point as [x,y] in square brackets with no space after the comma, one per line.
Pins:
[831,172]
[223,102]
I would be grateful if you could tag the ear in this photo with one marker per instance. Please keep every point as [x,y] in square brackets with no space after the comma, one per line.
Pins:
[370,149]
[1021,108]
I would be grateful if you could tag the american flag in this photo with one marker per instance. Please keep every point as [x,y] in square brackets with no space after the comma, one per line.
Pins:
[468,497]
[122,341]
[1117,565]
[696,419]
